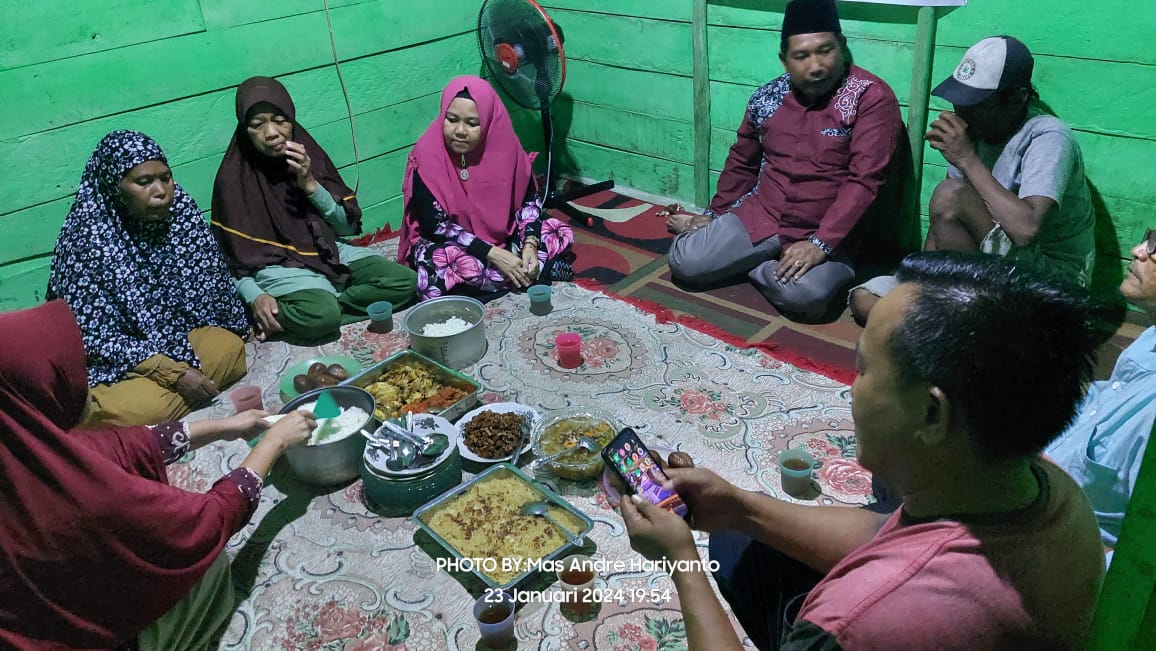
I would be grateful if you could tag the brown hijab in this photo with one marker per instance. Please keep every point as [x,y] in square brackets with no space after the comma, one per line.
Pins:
[260,217]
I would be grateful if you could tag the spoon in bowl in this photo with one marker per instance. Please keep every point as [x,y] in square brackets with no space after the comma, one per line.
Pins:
[584,443]
[541,508]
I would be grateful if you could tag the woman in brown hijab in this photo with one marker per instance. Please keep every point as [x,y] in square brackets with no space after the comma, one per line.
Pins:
[279,206]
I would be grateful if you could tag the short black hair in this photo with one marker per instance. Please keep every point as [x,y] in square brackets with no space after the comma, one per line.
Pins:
[1009,343]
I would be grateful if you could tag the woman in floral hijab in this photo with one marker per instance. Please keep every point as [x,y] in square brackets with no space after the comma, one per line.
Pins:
[161,319]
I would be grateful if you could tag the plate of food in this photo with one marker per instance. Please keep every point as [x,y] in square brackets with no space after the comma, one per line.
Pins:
[316,372]
[491,432]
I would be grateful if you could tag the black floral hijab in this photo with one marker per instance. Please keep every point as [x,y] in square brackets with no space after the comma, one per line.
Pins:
[138,288]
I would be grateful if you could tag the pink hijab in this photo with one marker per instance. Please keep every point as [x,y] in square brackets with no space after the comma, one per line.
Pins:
[499,170]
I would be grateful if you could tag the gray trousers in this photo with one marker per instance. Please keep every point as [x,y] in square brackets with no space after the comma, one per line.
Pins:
[722,249]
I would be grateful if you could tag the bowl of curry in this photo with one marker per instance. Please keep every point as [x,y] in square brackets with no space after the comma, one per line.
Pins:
[560,431]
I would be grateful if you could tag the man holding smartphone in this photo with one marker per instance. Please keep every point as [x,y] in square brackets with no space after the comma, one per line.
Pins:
[958,391]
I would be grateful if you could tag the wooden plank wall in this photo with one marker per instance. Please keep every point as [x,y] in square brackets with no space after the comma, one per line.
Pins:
[67,77]
[632,93]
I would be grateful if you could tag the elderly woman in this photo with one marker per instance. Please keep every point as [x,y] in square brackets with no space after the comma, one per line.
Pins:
[473,220]
[97,549]
[278,206]
[135,260]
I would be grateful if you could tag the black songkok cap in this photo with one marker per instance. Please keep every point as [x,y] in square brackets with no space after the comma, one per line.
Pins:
[810,17]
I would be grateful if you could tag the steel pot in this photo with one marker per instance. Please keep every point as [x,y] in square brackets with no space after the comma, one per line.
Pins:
[456,351]
[331,462]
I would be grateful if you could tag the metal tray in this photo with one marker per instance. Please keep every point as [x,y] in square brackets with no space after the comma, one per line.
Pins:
[441,373]
[501,470]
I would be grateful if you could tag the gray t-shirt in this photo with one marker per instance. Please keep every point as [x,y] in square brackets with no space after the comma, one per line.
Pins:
[1043,159]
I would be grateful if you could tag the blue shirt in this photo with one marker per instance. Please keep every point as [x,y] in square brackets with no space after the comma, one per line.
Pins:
[1103,448]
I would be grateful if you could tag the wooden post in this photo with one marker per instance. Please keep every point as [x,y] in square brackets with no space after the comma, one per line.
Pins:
[1127,607]
[702,122]
[920,96]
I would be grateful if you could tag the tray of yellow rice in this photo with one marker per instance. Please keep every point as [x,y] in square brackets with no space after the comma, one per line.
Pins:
[481,520]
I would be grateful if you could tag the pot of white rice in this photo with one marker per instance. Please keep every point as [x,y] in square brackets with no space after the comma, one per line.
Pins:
[449,330]
[333,453]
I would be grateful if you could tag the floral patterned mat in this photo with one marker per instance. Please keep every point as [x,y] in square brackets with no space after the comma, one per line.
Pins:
[320,570]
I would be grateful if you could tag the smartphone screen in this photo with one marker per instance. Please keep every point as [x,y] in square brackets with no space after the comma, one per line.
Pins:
[631,461]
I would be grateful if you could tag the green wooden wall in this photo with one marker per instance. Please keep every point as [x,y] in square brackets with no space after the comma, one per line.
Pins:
[627,111]
[68,76]
[631,88]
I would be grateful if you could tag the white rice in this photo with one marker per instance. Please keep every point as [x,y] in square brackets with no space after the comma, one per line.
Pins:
[450,326]
[348,422]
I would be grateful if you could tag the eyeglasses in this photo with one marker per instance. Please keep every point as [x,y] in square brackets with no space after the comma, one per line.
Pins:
[1150,240]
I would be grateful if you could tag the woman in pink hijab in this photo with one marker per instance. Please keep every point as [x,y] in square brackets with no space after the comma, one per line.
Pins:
[473,221]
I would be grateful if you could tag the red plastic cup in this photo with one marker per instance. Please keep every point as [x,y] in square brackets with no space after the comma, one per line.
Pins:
[569,347]
[246,397]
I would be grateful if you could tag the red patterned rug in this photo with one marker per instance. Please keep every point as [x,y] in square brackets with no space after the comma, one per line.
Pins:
[621,250]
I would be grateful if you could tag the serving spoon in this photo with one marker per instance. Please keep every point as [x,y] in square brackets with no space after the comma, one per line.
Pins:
[584,443]
[431,445]
[540,508]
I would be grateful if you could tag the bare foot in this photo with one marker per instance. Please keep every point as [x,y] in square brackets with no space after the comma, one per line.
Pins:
[683,222]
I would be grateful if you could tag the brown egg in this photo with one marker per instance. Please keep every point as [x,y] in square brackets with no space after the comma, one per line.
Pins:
[316,368]
[301,383]
[326,380]
[338,371]
[680,460]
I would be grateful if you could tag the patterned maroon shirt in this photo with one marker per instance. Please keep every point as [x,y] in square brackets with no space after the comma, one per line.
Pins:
[799,170]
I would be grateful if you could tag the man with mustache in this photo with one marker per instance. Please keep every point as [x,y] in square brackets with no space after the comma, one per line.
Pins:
[1015,181]
[813,151]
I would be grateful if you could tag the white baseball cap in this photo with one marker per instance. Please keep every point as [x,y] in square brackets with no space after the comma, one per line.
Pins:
[992,65]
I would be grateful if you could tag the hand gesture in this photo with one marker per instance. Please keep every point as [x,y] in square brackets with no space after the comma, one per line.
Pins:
[196,388]
[530,260]
[948,136]
[292,430]
[265,310]
[509,265]
[710,499]
[797,260]
[681,222]
[301,166]
[244,425]
[655,532]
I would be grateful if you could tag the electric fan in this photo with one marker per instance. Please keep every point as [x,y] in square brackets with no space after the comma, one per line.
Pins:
[522,48]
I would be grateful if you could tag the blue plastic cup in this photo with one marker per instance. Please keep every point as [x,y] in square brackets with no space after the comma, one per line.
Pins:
[494,612]
[380,316]
[795,468]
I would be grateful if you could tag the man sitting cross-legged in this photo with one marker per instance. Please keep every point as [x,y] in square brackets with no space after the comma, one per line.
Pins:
[1015,181]
[814,150]
[959,388]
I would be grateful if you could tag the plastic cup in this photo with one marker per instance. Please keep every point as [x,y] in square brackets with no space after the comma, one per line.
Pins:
[380,316]
[246,397]
[539,299]
[577,575]
[795,467]
[494,612]
[569,347]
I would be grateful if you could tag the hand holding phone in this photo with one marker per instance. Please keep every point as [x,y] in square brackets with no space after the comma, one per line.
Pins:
[631,461]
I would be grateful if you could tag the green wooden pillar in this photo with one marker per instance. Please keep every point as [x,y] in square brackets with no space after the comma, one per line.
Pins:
[1127,609]
[701,74]
[920,98]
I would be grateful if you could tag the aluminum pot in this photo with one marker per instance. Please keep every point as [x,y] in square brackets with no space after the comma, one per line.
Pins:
[456,351]
[337,461]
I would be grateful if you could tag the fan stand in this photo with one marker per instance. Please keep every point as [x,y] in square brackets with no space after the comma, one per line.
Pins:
[561,200]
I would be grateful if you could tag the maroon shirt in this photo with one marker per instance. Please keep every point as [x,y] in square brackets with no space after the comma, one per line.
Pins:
[798,170]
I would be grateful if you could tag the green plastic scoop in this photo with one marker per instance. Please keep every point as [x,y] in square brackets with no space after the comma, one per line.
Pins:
[326,406]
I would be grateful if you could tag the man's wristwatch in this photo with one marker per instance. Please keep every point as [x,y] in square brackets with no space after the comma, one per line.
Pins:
[814,239]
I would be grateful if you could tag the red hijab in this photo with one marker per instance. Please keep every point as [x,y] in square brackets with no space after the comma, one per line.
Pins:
[260,217]
[94,544]
[500,171]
